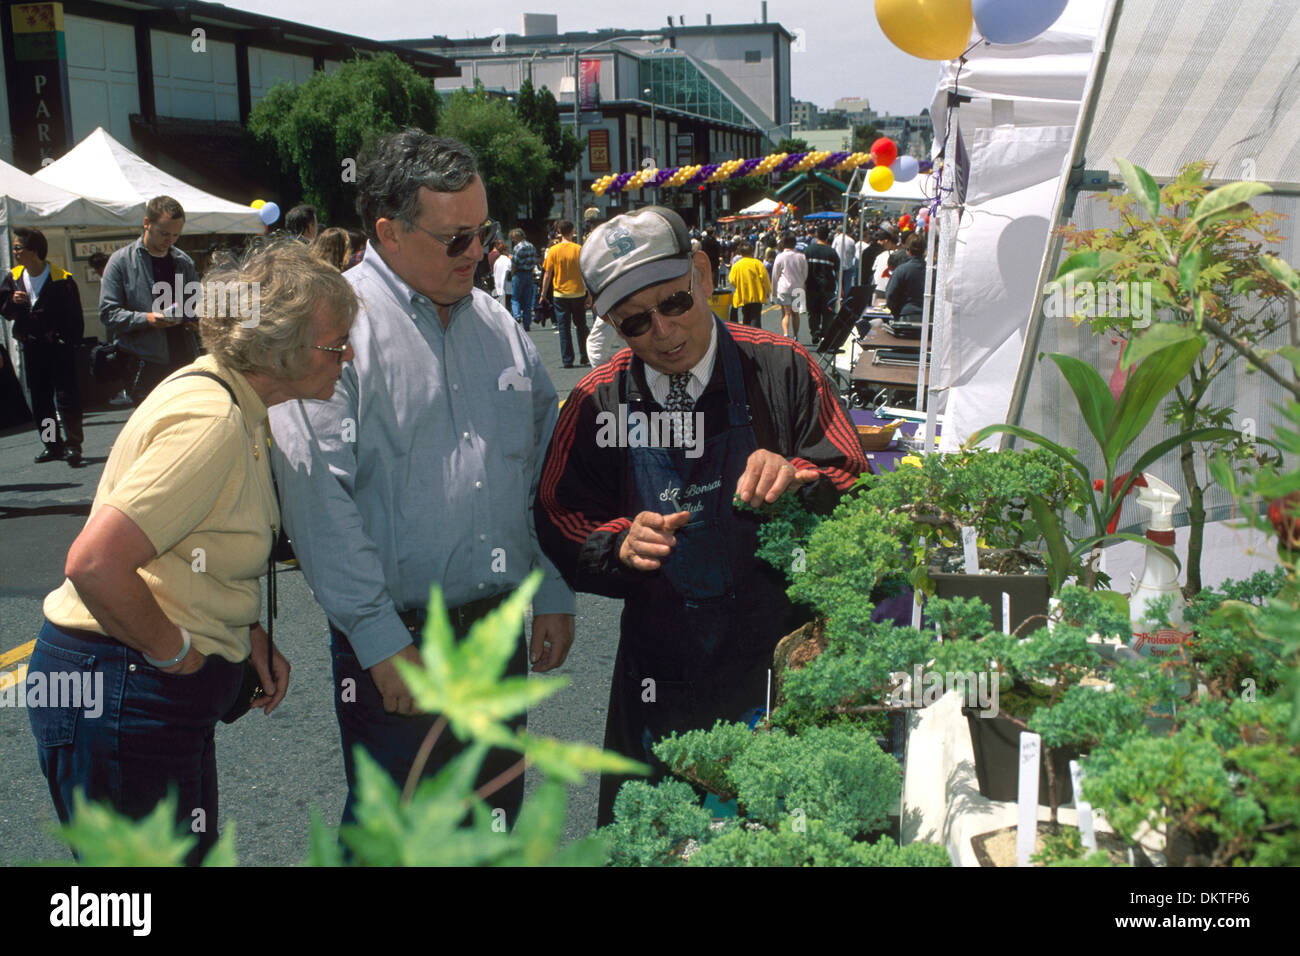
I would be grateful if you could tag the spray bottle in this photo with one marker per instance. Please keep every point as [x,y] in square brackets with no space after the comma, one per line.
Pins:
[1159,575]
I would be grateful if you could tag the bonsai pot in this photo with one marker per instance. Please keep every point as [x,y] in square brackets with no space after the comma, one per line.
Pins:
[996,742]
[1028,592]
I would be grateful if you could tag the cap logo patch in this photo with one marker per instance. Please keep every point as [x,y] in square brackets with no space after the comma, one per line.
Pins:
[620,241]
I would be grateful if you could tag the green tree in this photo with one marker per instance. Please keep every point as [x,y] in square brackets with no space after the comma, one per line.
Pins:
[513,160]
[864,136]
[312,133]
[541,113]
[789,145]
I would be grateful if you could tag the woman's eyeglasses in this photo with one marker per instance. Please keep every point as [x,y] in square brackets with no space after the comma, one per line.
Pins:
[458,243]
[678,303]
[336,349]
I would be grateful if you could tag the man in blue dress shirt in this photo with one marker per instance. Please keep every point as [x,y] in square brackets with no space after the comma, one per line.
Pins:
[423,467]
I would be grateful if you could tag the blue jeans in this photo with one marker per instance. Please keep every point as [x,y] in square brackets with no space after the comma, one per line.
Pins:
[571,311]
[147,733]
[522,288]
[393,740]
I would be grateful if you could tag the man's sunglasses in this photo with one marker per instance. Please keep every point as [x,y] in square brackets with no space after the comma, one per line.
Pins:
[678,303]
[458,243]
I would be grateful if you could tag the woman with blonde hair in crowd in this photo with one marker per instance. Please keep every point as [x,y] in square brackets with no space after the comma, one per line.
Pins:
[160,612]
[333,246]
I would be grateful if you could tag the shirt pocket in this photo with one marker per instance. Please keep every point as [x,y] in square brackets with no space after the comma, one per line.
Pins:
[512,425]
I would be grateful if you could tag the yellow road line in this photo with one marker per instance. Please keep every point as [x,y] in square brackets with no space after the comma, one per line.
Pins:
[19,653]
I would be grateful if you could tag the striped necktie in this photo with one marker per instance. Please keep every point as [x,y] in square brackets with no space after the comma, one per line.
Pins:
[679,400]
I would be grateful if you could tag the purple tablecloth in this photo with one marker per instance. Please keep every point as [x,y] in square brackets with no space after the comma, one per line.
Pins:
[888,459]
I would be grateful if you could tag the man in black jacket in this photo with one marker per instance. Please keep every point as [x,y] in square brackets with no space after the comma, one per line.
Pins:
[823,271]
[42,301]
[884,240]
[905,294]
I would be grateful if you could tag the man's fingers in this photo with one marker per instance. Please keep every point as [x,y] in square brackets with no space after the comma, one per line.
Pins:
[674,521]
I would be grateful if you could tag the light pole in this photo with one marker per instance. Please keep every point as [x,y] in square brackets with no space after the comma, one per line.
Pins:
[649,94]
[577,127]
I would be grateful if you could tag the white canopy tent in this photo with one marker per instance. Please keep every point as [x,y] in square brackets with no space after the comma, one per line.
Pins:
[922,188]
[764,207]
[27,201]
[101,168]
[1158,82]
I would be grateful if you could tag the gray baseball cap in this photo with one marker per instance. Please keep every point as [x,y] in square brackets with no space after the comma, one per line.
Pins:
[632,251]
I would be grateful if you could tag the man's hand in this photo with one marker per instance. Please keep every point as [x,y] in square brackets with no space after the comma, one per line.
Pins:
[651,538]
[275,683]
[20,298]
[396,695]
[159,321]
[552,638]
[768,476]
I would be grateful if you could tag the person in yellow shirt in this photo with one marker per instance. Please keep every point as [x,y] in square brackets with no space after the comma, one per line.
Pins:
[147,636]
[563,277]
[753,287]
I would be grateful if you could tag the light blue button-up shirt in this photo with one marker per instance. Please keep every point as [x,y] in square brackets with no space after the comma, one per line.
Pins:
[422,468]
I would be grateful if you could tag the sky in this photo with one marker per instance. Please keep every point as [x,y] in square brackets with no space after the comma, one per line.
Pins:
[845,54]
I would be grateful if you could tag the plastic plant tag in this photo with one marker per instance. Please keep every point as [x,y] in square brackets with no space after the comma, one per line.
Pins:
[1006,613]
[1027,810]
[1082,808]
[970,555]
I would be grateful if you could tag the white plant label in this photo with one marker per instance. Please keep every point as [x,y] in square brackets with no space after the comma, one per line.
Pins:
[1006,613]
[1031,746]
[1082,807]
[968,551]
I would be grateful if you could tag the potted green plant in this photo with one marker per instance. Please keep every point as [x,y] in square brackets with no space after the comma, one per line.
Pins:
[1195,257]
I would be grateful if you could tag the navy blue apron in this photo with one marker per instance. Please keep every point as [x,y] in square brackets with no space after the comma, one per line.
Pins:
[697,641]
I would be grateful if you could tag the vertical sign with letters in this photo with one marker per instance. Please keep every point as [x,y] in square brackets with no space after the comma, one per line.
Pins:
[41,114]
[598,150]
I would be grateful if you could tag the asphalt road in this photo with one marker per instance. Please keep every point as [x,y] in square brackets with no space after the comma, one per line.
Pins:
[271,769]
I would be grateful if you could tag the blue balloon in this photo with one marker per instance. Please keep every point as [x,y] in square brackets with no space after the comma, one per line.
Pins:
[1015,21]
[905,169]
[269,212]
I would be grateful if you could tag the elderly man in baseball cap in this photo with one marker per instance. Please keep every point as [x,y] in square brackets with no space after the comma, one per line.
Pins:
[652,451]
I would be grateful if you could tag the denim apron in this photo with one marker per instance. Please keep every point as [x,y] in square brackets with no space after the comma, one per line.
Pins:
[697,640]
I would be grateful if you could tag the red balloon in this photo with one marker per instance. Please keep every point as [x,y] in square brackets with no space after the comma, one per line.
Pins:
[905,222]
[884,151]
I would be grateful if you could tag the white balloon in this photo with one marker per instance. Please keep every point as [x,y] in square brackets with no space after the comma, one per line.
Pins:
[905,169]
[269,212]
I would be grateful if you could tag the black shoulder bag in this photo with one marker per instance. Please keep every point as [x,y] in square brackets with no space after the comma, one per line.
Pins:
[250,686]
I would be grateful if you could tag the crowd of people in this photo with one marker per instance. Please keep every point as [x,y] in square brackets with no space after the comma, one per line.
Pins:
[396,420]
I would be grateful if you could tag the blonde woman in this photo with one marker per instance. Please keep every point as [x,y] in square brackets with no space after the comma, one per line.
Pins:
[161,605]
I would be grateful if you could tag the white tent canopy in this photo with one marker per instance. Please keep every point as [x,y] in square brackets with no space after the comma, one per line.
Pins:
[27,201]
[763,207]
[101,168]
[921,188]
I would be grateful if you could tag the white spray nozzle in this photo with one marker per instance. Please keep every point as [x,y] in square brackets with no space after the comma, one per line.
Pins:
[1160,499]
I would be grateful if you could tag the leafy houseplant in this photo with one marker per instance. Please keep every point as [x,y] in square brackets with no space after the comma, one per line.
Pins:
[1199,252]
[424,824]
[1116,425]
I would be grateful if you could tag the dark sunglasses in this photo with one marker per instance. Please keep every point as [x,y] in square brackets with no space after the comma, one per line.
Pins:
[678,303]
[458,243]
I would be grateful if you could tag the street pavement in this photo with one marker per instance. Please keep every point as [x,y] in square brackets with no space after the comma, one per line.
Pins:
[272,770]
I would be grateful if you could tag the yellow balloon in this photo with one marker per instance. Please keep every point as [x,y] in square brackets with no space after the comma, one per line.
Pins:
[880,178]
[928,29]
[258,203]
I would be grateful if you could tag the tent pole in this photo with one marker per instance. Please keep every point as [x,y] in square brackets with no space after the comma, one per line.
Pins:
[1034,331]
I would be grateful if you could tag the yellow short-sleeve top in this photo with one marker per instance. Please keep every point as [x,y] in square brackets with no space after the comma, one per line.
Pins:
[192,471]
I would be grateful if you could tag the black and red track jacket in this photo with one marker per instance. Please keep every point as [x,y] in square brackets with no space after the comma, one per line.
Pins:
[794,411]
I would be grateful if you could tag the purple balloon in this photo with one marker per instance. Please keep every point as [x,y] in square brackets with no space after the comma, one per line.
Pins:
[269,212]
[1015,21]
